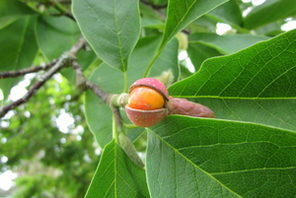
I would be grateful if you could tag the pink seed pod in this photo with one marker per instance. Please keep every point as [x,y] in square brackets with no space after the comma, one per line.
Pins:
[185,107]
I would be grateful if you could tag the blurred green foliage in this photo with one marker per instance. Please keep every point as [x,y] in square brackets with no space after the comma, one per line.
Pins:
[49,163]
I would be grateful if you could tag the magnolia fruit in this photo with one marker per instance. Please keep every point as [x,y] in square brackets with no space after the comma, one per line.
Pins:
[147,102]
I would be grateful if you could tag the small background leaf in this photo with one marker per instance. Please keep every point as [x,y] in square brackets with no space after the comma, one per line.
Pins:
[56,35]
[228,12]
[206,45]
[143,53]
[181,14]
[226,44]
[260,15]
[199,52]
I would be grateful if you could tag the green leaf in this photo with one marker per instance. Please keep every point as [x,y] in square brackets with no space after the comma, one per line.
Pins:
[117,176]
[17,51]
[112,28]
[180,14]
[56,35]
[192,157]
[225,44]
[228,13]
[257,81]
[269,12]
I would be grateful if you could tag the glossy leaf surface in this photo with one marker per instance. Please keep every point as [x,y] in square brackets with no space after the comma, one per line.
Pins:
[256,81]
[191,157]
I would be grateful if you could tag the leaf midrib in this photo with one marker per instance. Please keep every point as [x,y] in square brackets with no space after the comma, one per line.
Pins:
[234,97]
[253,169]
[118,37]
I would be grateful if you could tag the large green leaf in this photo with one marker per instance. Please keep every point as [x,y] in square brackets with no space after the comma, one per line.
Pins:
[112,28]
[256,84]
[270,11]
[182,13]
[17,50]
[56,35]
[117,176]
[192,157]
[225,44]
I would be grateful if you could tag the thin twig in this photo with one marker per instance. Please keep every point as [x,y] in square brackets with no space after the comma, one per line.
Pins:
[89,85]
[32,69]
[35,87]
[63,11]
[63,61]
[86,84]
[79,45]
